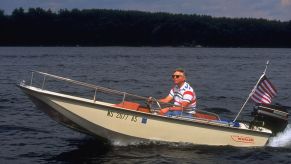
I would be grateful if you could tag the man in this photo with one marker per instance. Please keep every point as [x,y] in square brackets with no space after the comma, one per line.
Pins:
[182,94]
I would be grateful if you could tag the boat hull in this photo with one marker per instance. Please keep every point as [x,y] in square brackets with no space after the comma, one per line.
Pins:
[117,124]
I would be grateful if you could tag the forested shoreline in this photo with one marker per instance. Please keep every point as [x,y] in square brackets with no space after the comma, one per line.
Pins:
[100,27]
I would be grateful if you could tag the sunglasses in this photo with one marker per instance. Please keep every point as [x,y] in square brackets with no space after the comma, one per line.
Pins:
[176,76]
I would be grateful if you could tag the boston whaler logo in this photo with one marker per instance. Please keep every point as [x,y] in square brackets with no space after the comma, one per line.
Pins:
[243,139]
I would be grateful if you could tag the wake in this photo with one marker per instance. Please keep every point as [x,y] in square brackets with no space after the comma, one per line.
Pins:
[282,139]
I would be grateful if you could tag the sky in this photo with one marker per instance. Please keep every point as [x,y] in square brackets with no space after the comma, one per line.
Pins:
[267,9]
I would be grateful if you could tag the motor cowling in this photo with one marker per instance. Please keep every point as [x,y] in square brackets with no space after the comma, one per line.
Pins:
[273,117]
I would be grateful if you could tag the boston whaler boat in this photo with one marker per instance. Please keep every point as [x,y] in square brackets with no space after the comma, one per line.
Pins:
[130,119]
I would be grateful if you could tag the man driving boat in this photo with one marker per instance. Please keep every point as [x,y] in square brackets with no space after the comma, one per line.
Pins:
[182,94]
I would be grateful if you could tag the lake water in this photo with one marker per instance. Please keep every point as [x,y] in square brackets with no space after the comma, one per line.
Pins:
[221,77]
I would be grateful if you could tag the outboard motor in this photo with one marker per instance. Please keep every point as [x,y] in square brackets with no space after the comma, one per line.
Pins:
[273,117]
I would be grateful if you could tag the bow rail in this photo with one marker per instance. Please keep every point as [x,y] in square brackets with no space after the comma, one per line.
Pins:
[91,86]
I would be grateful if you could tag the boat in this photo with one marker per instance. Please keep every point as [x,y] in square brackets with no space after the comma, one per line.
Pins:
[132,118]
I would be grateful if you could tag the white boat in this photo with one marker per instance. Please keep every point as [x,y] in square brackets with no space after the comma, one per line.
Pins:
[134,122]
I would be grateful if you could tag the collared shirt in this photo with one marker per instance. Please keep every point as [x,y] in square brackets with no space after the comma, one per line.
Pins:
[184,93]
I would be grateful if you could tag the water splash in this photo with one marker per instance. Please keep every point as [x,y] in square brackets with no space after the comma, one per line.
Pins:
[282,139]
[122,143]
[140,142]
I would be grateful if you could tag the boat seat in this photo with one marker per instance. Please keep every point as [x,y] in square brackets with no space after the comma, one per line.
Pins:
[143,109]
[133,106]
[205,116]
[128,105]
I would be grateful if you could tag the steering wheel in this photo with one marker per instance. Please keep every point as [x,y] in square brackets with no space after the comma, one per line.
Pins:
[151,103]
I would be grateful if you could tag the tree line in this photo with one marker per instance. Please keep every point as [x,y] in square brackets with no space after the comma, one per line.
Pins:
[102,27]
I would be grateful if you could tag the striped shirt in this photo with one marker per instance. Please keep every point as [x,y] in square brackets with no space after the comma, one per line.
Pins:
[185,93]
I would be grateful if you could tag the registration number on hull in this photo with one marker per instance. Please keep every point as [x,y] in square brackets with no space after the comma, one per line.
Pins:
[122,116]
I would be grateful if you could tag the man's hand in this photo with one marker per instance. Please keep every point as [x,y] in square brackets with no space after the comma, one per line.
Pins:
[149,100]
[164,111]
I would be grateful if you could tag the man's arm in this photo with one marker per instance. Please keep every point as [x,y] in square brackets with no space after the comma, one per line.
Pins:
[165,110]
[166,99]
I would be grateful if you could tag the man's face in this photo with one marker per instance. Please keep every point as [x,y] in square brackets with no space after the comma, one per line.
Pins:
[178,77]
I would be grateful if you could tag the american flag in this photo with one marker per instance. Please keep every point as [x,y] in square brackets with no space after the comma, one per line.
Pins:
[264,91]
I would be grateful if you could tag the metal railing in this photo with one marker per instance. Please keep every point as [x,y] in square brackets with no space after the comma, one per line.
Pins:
[91,86]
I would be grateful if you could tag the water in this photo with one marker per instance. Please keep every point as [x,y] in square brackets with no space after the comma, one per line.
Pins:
[222,78]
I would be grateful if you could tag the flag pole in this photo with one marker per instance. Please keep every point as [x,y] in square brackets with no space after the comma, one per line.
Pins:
[253,90]
[266,67]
